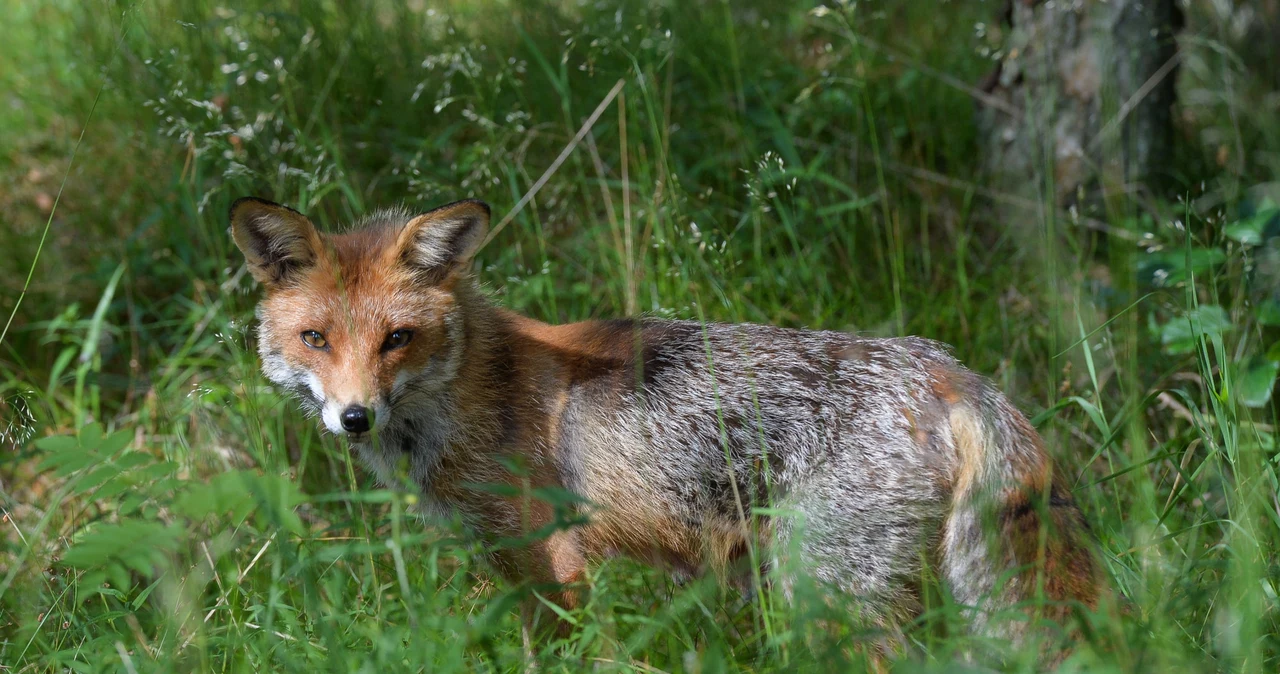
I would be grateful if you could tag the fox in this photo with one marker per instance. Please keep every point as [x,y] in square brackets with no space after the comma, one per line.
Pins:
[874,456]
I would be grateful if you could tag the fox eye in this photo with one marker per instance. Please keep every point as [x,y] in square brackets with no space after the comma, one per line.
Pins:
[397,339]
[314,340]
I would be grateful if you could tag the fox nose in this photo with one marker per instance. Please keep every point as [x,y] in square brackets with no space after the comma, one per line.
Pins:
[355,419]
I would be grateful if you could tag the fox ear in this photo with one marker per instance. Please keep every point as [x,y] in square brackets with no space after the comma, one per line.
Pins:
[441,242]
[277,241]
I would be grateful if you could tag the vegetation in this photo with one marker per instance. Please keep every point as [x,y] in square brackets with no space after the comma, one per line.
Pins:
[165,510]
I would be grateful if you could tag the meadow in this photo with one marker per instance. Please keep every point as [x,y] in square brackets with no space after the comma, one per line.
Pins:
[164,509]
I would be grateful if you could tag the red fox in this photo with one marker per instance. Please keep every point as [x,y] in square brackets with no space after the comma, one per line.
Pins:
[889,453]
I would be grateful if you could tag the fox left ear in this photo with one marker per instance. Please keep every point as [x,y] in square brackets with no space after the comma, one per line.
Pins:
[441,242]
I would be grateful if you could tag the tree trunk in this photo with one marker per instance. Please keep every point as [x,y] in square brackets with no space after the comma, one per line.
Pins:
[1088,88]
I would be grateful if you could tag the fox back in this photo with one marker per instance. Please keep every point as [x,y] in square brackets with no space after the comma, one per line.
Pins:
[873,457]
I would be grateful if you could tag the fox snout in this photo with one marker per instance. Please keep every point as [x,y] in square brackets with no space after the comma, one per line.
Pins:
[354,419]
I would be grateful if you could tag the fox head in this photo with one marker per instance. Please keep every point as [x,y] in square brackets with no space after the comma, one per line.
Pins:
[357,323]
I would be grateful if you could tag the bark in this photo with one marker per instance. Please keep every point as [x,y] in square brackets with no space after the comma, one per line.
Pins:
[1089,88]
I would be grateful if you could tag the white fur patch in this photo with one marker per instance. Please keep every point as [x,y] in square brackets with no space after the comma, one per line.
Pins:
[317,388]
[332,417]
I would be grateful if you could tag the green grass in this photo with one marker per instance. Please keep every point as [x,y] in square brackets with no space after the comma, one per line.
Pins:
[760,164]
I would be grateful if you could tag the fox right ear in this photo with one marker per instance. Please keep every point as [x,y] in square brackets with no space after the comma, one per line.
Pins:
[278,242]
[439,243]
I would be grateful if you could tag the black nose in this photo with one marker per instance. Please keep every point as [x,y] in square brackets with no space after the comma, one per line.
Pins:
[355,419]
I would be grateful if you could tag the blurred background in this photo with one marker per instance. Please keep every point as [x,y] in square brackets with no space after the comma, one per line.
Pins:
[1080,196]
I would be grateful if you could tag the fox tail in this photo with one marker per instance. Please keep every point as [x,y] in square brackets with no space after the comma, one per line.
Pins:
[1014,535]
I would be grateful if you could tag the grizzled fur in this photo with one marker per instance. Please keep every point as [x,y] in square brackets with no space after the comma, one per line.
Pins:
[887,453]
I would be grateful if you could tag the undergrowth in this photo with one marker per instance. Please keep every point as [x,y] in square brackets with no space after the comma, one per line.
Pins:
[165,510]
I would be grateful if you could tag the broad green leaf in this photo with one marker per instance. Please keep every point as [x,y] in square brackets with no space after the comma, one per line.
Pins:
[240,493]
[1255,385]
[68,659]
[58,443]
[91,435]
[165,487]
[156,471]
[1170,267]
[1268,312]
[97,477]
[131,542]
[142,596]
[132,460]
[1249,231]
[131,502]
[116,441]
[1181,335]
[202,500]
[120,578]
[90,584]
[277,499]
[69,461]
[111,591]
[557,496]
[112,489]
